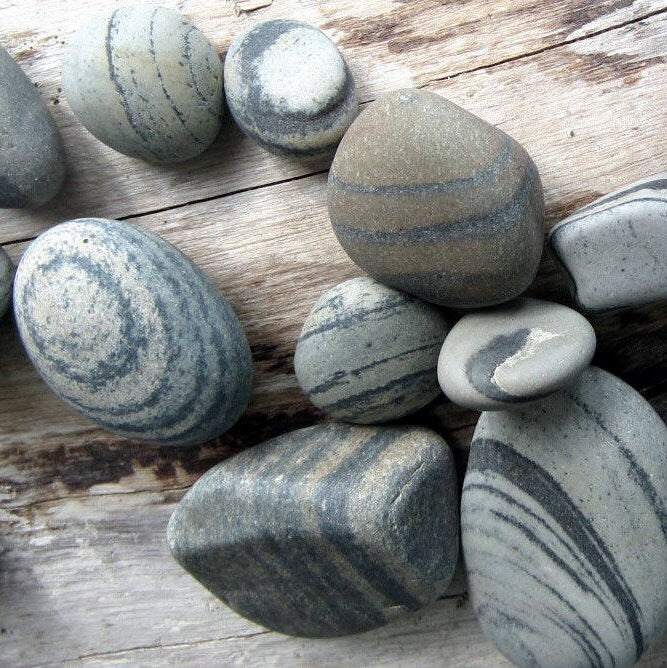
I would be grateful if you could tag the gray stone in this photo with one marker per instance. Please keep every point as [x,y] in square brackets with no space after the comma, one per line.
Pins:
[6,274]
[614,251]
[129,331]
[289,88]
[500,358]
[430,199]
[324,531]
[368,353]
[564,526]
[146,82]
[32,160]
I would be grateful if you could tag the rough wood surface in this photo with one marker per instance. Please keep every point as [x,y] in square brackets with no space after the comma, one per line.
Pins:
[84,572]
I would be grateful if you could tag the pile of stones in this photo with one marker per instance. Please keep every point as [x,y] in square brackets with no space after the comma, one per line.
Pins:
[340,527]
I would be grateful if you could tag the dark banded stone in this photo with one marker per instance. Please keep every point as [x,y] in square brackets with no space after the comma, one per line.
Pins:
[430,199]
[325,531]
[368,353]
[146,82]
[564,526]
[6,273]
[614,251]
[126,329]
[32,160]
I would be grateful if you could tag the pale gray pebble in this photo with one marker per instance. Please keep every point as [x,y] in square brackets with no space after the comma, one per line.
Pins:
[145,82]
[6,274]
[500,358]
[289,88]
[368,353]
[32,158]
[614,251]
[564,526]
[325,531]
[129,331]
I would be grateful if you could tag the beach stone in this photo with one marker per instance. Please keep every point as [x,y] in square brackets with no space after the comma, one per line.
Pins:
[126,329]
[6,274]
[614,251]
[503,357]
[32,159]
[430,199]
[289,88]
[145,82]
[564,526]
[325,531]
[368,353]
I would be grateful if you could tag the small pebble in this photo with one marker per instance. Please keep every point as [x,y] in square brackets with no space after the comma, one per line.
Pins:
[289,88]
[368,353]
[145,82]
[502,357]
[325,531]
[130,332]
[6,272]
[614,251]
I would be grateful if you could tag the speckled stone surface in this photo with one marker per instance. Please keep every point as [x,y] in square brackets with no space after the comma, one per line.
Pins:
[430,199]
[564,526]
[32,160]
[125,328]
[515,353]
[324,531]
[6,274]
[368,353]
[146,82]
[614,251]
[289,88]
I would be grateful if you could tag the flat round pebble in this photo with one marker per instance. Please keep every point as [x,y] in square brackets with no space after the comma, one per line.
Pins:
[289,88]
[430,199]
[145,82]
[6,271]
[368,353]
[130,332]
[519,352]
[564,526]
[325,531]
[32,160]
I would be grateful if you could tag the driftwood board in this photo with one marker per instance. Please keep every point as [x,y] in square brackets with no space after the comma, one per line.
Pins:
[85,576]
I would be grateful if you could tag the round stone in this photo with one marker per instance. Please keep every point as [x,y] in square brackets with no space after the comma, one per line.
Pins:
[32,160]
[512,354]
[146,82]
[6,271]
[430,199]
[129,331]
[289,88]
[368,353]
[564,526]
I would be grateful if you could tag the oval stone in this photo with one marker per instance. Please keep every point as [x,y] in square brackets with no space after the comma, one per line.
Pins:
[145,82]
[6,271]
[368,353]
[325,531]
[289,88]
[430,199]
[564,526]
[32,160]
[503,357]
[126,329]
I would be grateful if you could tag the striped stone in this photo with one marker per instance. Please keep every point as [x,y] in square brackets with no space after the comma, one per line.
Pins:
[6,272]
[126,329]
[324,531]
[564,526]
[368,353]
[430,199]
[146,82]
[614,251]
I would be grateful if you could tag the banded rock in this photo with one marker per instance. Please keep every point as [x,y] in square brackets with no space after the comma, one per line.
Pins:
[6,272]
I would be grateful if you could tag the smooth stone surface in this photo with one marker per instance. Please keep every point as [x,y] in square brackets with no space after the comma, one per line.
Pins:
[6,273]
[503,357]
[146,82]
[368,353]
[32,159]
[614,251]
[289,88]
[129,331]
[430,199]
[324,531]
[564,526]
